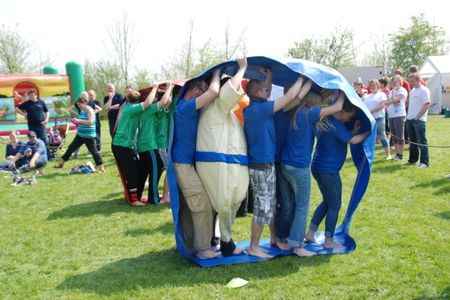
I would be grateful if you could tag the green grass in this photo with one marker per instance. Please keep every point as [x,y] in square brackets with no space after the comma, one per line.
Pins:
[73,237]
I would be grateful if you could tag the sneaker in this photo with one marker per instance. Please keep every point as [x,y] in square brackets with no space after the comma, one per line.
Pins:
[398,158]
[410,163]
[422,166]
[389,157]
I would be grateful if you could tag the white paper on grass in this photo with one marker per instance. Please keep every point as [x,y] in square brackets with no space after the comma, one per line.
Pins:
[236,283]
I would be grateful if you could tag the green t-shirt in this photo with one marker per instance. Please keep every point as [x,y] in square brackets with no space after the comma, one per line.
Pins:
[146,138]
[128,123]
[162,123]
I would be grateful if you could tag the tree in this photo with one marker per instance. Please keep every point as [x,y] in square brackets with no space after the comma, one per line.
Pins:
[14,51]
[412,45]
[142,79]
[98,74]
[334,51]
[121,36]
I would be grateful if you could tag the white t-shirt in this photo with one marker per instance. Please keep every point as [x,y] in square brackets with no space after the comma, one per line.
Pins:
[417,98]
[397,110]
[374,100]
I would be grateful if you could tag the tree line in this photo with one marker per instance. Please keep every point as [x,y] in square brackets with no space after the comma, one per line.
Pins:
[407,46]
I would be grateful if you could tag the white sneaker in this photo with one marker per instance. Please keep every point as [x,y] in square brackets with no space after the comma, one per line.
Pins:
[422,166]
[389,157]
[397,158]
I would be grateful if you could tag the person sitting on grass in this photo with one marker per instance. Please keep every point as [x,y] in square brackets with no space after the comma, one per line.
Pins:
[85,135]
[31,156]
[12,149]
[329,157]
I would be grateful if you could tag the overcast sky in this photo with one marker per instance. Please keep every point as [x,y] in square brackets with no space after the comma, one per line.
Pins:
[75,32]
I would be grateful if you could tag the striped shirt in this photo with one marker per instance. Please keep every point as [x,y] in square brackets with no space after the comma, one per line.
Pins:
[86,131]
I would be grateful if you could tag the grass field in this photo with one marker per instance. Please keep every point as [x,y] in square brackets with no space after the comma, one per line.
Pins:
[73,237]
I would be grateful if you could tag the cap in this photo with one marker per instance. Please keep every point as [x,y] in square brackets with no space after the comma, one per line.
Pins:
[31,134]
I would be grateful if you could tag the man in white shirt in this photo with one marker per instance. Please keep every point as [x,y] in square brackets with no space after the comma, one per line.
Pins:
[419,102]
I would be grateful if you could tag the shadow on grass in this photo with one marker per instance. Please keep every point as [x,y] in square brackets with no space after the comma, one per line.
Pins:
[166,228]
[445,294]
[105,208]
[443,215]
[442,186]
[168,268]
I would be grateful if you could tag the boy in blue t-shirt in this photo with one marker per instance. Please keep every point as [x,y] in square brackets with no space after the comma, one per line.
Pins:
[261,138]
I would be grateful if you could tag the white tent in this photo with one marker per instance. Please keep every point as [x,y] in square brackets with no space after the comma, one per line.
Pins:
[436,71]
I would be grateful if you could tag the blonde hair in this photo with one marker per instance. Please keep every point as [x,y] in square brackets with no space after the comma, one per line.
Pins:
[312,99]
[93,93]
[398,78]
[374,81]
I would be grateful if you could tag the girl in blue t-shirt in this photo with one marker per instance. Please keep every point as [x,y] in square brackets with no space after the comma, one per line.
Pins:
[329,157]
[296,160]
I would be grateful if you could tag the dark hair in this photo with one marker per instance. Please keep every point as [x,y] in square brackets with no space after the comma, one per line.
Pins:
[348,107]
[133,96]
[413,69]
[253,86]
[383,81]
[196,83]
[81,100]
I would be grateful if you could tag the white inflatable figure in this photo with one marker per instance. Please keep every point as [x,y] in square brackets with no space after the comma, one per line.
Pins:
[221,157]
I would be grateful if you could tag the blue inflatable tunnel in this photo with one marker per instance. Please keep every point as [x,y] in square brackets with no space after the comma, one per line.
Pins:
[285,71]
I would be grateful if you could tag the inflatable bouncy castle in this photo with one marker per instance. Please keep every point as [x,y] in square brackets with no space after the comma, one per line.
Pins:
[56,90]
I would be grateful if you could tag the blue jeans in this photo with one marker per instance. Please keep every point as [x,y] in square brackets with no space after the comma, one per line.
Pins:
[417,134]
[381,132]
[285,206]
[299,180]
[330,186]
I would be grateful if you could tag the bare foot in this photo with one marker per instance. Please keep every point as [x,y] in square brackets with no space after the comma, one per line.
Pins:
[258,252]
[283,246]
[237,251]
[206,254]
[309,237]
[302,252]
[330,244]
[137,203]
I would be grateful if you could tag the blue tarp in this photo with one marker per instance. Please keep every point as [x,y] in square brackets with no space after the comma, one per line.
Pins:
[285,71]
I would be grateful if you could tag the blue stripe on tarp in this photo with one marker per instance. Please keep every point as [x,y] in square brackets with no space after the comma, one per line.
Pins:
[285,71]
[221,157]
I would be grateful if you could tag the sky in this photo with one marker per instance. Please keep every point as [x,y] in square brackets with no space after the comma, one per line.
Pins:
[77,30]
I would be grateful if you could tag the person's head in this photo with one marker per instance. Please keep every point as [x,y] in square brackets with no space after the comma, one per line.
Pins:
[92,95]
[347,113]
[127,90]
[383,82]
[312,99]
[85,96]
[397,81]
[81,103]
[357,86]
[398,72]
[257,88]
[374,85]
[32,94]
[196,88]
[13,136]
[32,137]
[414,80]
[133,96]
[413,69]
[110,88]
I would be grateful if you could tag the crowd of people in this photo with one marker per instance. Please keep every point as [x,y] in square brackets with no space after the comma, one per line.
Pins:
[217,158]
[400,108]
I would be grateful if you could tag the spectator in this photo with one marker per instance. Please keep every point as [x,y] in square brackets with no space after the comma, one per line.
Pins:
[375,103]
[358,86]
[419,102]
[95,105]
[32,155]
[112,102]
[12,149]
[397,115]
[37,116]
[413,69]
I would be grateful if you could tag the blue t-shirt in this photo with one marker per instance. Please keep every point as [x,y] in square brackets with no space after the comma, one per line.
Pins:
[10,151]
[38,147]
[331,148]
[281,127]
[35,111]
[299,142]
[260,131]
[185,137]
